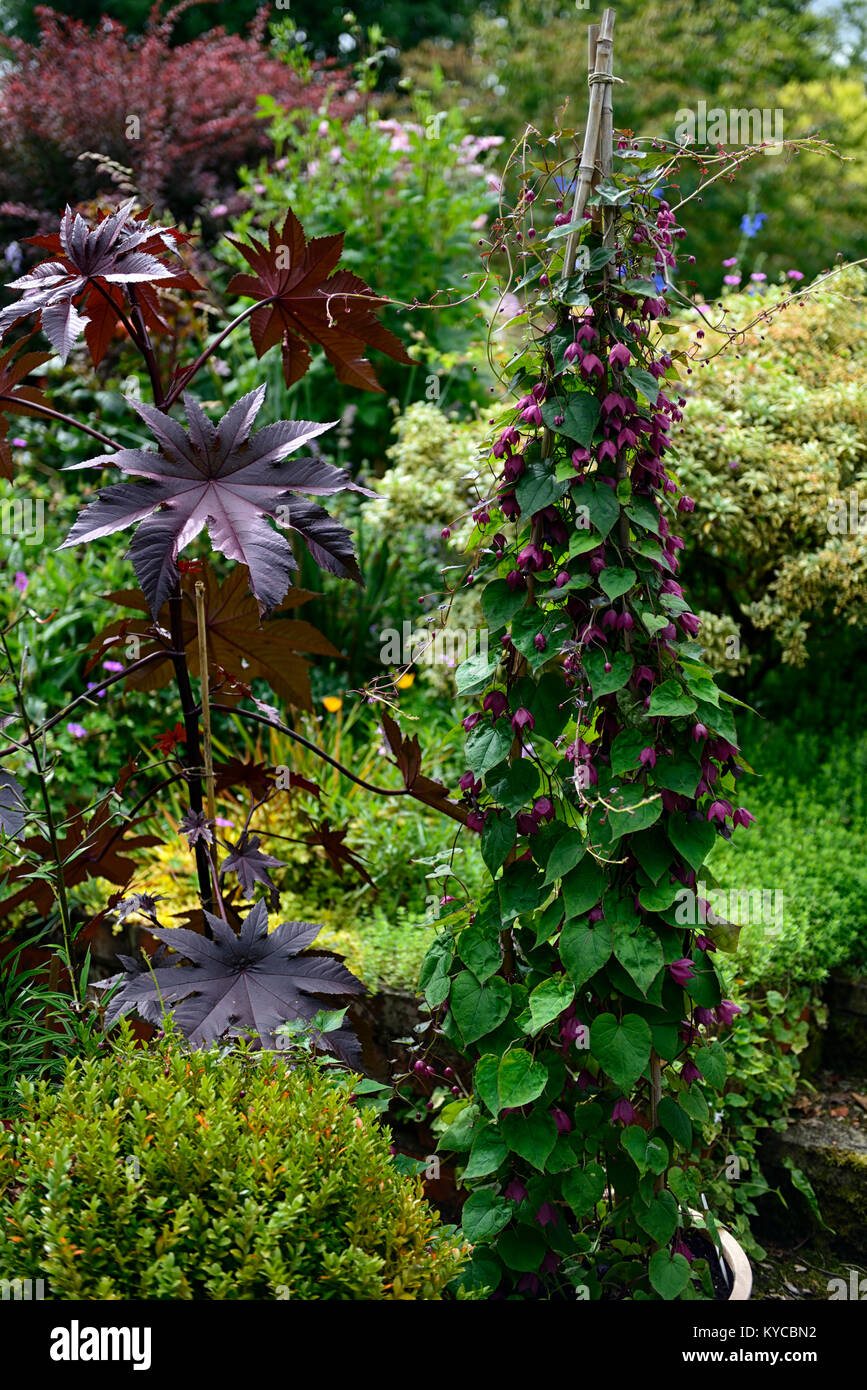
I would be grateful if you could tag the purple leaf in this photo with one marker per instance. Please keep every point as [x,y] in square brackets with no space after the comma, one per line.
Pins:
[252,982]
[226,479]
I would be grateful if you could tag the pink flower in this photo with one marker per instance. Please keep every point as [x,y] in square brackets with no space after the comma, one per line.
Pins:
[624,1112]
[21,581]
[647,757]
[591,365]
[523,719]
[742,817]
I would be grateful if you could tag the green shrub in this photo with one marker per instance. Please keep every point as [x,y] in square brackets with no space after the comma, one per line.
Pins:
[176,1175]
[773,452]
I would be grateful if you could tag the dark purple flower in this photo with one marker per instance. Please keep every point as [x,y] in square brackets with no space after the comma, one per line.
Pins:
[742,817]
[689,1072]
[726,1012]
[620,356]
[682,971]
[523,719]
[496,703]
[623,1111]
[547,1215]
[516,1191]
[562,1121]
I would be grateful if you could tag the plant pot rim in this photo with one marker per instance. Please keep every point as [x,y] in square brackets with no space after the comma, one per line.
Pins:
[737,1261]
[735,1257]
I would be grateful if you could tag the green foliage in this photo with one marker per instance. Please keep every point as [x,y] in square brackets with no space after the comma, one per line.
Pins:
[808,846]
[525,64]
[764,1066]
[175,1175]
[588,1006]
[773,452]
[415,194]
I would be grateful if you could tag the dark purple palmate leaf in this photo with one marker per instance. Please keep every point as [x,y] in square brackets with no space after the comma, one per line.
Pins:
[13,808]
[252,865]
[231,481]
[111,253]
[253,982]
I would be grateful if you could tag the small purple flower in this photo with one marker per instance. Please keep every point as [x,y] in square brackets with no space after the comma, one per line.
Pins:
[547,1215]
[77,730]
[531,557]
[718,811]
[496,703]
[471,721]
[620,356]
[562,1121]
[699,732]
[682,971]
[647,757]
[792,274]
[21,581]
[523,719]
[689,1072]
[726,1012]
[742,817]
[112,666]
[516,1191]
[624,1112]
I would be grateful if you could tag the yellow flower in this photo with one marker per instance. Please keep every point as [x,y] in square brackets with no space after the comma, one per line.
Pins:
[405,681]
[333,703]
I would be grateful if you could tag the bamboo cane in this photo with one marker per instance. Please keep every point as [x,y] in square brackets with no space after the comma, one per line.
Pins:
[206,703]
[604,60]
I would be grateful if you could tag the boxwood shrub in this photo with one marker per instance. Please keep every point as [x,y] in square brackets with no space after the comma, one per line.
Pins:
[169,1174]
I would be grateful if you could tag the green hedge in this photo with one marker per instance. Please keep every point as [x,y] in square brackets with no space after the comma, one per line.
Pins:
[175,1175]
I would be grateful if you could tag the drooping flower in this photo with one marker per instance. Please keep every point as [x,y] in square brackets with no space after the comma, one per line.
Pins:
[726,1012]
[623,1111]
[742,816]
[682,971]
[523,719]
[620,356]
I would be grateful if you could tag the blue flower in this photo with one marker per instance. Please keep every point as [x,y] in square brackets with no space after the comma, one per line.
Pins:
[751,226]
